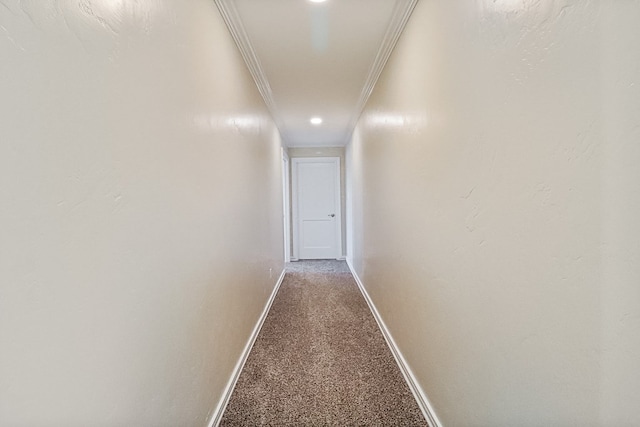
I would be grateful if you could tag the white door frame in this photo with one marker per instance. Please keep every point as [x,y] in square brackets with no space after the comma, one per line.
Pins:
[286,205]
[294,193]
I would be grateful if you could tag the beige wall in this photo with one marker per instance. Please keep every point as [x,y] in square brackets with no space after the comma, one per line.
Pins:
[493,196]
[140,212]
[324,152]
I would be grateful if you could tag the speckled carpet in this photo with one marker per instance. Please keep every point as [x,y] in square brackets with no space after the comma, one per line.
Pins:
[320,359]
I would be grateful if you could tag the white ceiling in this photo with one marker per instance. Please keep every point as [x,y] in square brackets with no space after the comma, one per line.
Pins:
[316,59]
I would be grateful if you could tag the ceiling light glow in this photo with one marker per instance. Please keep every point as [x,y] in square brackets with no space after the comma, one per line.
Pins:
[316,121]
[317,1]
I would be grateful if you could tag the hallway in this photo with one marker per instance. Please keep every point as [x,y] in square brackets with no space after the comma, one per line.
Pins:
[488,201]
[320,359]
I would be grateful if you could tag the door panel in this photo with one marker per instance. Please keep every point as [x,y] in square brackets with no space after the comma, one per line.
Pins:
[317,194]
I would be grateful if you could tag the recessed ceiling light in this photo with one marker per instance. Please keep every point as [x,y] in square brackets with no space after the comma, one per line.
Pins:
[316,120]
[317,1]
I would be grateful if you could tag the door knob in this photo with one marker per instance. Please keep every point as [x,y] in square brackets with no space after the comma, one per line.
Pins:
[332,215]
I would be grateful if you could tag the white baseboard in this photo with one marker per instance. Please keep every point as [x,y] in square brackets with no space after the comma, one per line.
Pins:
[412,382]
[222,405]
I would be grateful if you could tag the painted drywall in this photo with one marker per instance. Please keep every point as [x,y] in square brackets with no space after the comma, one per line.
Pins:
[324,152]
[353,201]
[620,207]
[493,203]
[140,212]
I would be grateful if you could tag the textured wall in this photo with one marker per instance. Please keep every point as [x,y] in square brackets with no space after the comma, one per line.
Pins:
[140,212]
[493,186]
[620,207]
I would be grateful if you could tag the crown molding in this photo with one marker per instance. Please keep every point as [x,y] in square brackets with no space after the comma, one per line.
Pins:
[401,13]
[399,19]
[234,23]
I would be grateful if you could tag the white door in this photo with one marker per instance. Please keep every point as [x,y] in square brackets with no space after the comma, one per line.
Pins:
[316,208]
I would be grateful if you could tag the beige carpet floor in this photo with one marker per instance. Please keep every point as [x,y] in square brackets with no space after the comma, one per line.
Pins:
[321,360]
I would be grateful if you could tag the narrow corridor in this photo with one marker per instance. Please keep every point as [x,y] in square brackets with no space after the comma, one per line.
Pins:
[488,205]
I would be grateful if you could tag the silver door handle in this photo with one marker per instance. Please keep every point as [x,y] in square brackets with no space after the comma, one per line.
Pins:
[332,215]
